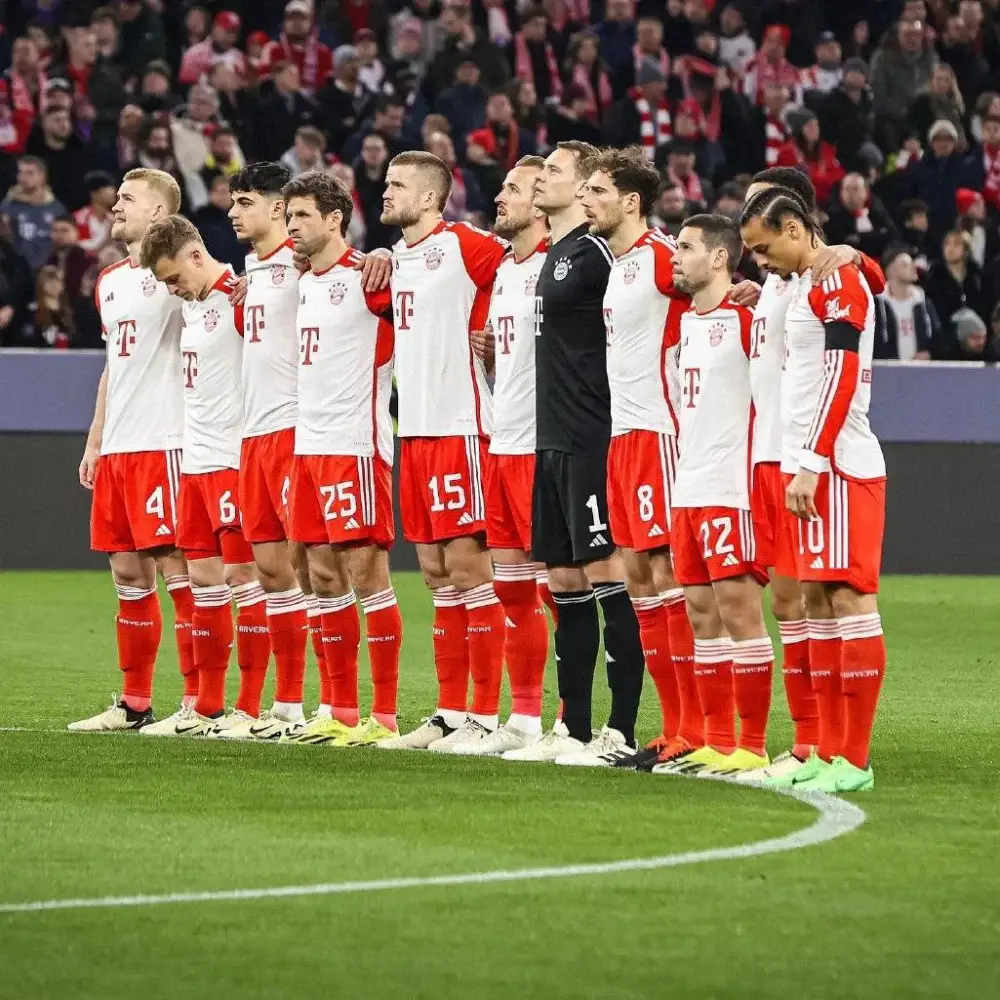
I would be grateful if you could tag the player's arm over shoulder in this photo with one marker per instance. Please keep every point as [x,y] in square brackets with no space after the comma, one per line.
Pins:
[482,253]
[841,303]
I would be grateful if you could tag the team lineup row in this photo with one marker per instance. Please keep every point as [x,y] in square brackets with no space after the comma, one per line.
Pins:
[657,440]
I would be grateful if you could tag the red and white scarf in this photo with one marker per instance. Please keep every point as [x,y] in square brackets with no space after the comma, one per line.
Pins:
[686,67]
[776,135]
[524,68]
[21,98]
[597,100]
[691,186]
[653,132]
[639,57]
[991,173]
[310,60]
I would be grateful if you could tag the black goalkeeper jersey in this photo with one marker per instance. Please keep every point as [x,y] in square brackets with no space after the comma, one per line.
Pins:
[573,402]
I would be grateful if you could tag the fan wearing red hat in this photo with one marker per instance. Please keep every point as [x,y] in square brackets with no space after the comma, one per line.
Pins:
[300,44]
[771,67]
[220,46]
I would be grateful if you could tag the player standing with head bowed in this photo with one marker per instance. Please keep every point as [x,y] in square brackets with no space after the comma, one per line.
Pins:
[834,475]
[442,277]
[132,458]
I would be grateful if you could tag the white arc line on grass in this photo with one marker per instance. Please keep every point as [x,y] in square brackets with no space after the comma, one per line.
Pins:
[836,817]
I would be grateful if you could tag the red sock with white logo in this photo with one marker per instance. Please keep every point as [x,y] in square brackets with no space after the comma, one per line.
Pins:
[138,628]
[526,640]
[713,673]
[212,631]
[253,645]
[825,653]
[753,667]
[542,579]
[691,724]
[341,639]
[486,635]
[654,631]
[384,636]
[179,589]
[451,654]
[798,686]
[288,627]
[314,615]
[862,673]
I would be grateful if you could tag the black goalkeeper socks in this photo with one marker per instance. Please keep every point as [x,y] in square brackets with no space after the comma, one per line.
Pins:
[623,651]
[577,641]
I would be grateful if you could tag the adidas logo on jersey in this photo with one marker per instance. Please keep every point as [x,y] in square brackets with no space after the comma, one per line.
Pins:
[655,532]
[730,560]
[817,563]
[598,540]
[163,530]
[352,525]
[466,518]
[110,297]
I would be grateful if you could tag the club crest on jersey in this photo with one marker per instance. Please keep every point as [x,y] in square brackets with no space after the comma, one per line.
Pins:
[211,320]
[834,313]
[562,268]
[433,258]
[781,286]
[337,293]
[715,334]
[149,286]
[631,271]
[278,274]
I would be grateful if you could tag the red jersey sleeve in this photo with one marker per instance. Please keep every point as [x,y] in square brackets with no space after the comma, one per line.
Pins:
[872,272]
[663,264]
[481,253]
[841,298]
[380,303]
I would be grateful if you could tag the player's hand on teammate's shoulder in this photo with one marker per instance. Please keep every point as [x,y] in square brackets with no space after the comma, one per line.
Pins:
[746,293]
[239,293]
[830,259]
[301,262]
[484,344]
[376,269]
[800,495]
[88,467]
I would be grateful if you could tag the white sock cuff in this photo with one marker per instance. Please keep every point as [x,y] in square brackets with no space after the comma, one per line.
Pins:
[480,597]
[133,593]
[753,650]
[378,602]
[447,597]
[312,604]
[246,595]
[647,603]
[672,597]
[713,650]
[178,582]
[861,626]
[286,601]
[331,605]
[212,597]
[542,578]
[793,632]
[513,574]
[823,628]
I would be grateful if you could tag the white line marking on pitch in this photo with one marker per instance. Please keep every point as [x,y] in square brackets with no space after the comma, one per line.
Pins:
[836,817]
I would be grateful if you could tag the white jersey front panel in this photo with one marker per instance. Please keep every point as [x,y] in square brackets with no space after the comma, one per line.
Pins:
[141,322]
[512,318]
[715,409]
[212,356]
[345,365]
[271,343]
[767,359]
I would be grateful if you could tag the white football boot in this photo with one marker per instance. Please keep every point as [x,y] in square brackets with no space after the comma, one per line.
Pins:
[116,718]
[430,731]
[470,732]
[505,739]
[234,725]
[608,748]
[550,746]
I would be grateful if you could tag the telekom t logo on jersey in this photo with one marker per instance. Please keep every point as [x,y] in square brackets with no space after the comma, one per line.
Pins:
[308,343]
[126,337]
[190,368]
[691,387]
[505,335]
[254,323]
[404,309]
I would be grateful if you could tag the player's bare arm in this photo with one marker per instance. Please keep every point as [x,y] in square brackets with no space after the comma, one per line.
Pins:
[376,269]
[830,259]
[92,450]
[484,344]
[746,293]
[800,496]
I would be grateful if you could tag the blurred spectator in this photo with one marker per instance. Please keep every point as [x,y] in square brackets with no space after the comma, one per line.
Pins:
[940,172]
[736,45]
[16,288]
[219,47]
[972,219]
[770,67]
[71,260]
[224,155]
[372,70]
[406,86]
[802,19]
[93,221]
[564,23]
[987,106]
[955,287]
[960,50]
[306,152]
[235,100]
[828,70]
[299,43]
[14,127]
[811,154]
[901,67]
[939,100]
[131,122]
[730,201]
[388,120]
[156,88]
[679,169]
[589,75]
[649,45]
[464,102]
[908,333]
[357,228]
[257,42]
[104,21]
[142,36]
[528,113]
[67,157]
[617,34]
[985,164]
[369,180]
[462,39]
[858,218]
[509,141]
[279,113]
[847,117]
[196,26]
[689,125]
[772,127]
[407,49]
[156,150]
[914,217]
[26,82]
[570,120]
[212,220]
[192,127]
[53,323]
[343,100]
[972,337]
[533,56]
[642,117]
[465,197]
[670,210]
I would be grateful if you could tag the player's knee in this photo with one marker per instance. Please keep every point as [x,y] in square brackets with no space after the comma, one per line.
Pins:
[371,575]
[240,573]
[847,603]
[468,567]
[816,601]
[328,580]
[567,579]
[134,575]
[787,608]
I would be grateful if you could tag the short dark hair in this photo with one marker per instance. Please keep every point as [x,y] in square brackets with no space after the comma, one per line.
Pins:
[531,161]
[892,252]
[34,161]
[583,153]
[261,178]
[531,12]
[792,179]
[223,130]
[312,135]
[433,166]
[911,207]
[719,231]
[774,206]
[631,172]
[385,101]
[991,118]
[64,218]
[328,193]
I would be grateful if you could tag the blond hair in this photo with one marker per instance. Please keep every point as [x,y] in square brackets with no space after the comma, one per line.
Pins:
[162,183]
[433,170]
[166,238]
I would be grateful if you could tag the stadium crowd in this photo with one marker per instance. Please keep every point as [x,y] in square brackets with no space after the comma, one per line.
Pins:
[891,107]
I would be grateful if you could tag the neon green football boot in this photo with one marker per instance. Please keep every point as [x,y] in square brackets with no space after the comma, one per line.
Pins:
[809,770]
[840,776]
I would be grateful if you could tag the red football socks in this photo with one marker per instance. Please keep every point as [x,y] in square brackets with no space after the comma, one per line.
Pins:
[179,589]
[825,652]
[384,636]
[253,645]
[713,673]
[798,686]
[542,580]
[753,665]
[691,724]
[288,625]
[212,631]
[314,616]
[654,631]
[139,627]
[486,640]
[526,636]
[341,639]
[451,649]
[862,673]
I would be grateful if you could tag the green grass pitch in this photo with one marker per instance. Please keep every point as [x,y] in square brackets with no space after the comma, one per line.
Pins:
[905,907]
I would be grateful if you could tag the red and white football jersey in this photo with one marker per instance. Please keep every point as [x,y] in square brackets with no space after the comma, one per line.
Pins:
[345,364]
[440,292]
[825,394]
[271,342]
[512,317]
[93,232]
[642,310]
[212,358]
[141,322]
[714,417]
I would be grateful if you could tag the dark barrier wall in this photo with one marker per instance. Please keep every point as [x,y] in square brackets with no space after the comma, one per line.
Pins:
[941,498]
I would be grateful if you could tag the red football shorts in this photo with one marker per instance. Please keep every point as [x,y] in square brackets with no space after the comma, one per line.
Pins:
[208,517]
[641,470]
[265,478]
[341,500]
[770,520]
[712,543]
[441,488]
[509,483]
[844,544]
[134,506]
